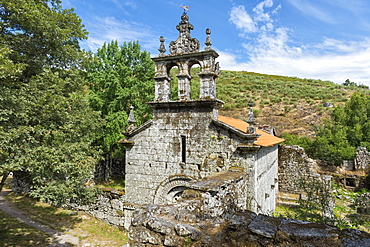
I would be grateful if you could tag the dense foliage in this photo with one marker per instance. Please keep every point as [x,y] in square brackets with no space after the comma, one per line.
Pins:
[120,76]
[348,128]
[46,125]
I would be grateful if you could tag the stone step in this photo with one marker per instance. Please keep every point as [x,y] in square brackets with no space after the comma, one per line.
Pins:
[287,198]
[289,204]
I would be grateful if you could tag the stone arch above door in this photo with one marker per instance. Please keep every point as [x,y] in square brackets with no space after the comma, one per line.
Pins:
[171,189]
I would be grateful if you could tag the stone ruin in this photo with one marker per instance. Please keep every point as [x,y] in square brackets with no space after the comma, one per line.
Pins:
[362,159]
[353,172]
[209,215]
[363,203]
[294,164]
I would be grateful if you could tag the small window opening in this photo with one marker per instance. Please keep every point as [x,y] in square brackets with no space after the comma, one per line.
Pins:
[183,149]
[350,182]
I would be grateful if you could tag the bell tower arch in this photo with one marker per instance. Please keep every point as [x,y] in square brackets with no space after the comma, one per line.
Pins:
[184,53]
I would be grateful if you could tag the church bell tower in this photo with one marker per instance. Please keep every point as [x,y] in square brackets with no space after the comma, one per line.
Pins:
[184,53]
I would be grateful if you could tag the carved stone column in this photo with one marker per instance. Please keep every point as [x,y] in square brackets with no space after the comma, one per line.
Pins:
[184,88]
[162,82]
[162,88]
[207,85]
[208,76]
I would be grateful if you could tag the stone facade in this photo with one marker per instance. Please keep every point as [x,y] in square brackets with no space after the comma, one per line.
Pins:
[187,140]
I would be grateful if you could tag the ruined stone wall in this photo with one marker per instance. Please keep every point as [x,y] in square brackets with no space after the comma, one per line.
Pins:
[107,208]
[213,220]
[294,164]
[362,159]
[363,203]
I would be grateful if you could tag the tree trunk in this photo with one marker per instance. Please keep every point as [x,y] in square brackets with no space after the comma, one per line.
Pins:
[5,176]
[107,167]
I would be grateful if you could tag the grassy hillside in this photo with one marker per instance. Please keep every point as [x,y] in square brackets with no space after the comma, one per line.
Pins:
[289,104]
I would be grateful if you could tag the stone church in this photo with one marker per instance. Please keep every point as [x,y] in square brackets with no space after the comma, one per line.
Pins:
[187,140]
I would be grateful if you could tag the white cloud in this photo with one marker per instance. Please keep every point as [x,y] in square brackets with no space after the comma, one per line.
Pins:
[241,19]
[259,10]
[307,63]
[271,52]
[121,4]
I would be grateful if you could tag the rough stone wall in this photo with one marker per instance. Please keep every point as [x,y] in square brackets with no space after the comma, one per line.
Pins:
[107,208]
[362,159]
[293,164]
[209,219]
[363,203]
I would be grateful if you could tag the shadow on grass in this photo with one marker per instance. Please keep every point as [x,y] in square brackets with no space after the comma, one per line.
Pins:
[56,218]
[16,233]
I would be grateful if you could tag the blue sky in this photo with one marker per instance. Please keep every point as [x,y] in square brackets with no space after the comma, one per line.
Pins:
[317,39]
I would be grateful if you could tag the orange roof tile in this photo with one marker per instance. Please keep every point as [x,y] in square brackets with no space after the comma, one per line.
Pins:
[265,140]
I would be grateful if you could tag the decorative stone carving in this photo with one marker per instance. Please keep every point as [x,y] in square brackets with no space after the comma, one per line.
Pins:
[184,43]
[169,191]
[208,42]
[162,48]
[131,120]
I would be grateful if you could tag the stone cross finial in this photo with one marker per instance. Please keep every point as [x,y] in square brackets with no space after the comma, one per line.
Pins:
[162,48]
[131,120]
[184,43]
[131,116]
[251,120]
[208,42]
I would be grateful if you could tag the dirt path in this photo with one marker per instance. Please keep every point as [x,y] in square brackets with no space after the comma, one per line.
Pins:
[60,238]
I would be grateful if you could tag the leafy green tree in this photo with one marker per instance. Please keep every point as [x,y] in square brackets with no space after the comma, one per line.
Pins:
[46,125]
[349,83]
[120,76]
[41,33]
[291,139]
[348,128]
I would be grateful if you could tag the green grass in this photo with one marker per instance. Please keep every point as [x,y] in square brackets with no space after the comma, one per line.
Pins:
[86,228]
[344,211]
[115,183]
[57,218]
[15,233]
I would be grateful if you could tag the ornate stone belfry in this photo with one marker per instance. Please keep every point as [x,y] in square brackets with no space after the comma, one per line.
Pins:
[184,53]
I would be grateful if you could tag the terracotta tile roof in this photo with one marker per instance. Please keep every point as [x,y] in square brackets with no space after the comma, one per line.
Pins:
[265,140]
